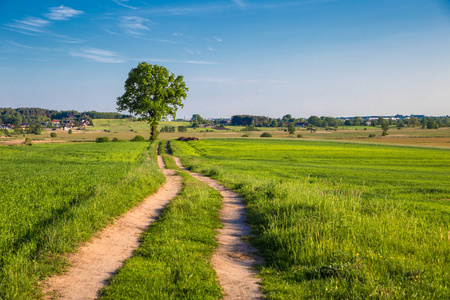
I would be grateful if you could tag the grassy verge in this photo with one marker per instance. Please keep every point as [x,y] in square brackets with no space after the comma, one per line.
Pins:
[55,196]
[168,159]
[173,261]
[334,238]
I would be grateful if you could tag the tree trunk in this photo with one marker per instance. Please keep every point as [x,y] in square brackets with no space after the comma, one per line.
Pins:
[154,132]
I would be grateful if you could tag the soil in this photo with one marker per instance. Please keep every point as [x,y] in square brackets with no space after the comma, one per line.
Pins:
[100,258]
[234,260]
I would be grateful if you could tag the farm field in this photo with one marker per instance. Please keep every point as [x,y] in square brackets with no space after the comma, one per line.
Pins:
[126,130]
[337,219]
[54,196]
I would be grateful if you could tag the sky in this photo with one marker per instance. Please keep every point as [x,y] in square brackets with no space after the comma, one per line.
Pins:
[259,57]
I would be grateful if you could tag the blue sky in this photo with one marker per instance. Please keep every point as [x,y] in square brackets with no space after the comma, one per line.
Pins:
[306,57]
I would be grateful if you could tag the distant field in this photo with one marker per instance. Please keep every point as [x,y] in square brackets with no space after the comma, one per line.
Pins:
[126,129]
[53,196]
[339,220]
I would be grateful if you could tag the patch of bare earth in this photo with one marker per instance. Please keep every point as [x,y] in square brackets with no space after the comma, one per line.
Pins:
[234,259]
[100,258]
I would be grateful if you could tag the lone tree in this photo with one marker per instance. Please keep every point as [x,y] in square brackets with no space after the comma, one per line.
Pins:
[291,128]
[151,93]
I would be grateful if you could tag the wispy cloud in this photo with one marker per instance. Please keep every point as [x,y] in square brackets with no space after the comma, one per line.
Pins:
[36,26]
[210,8]
[166,60]
[98,55]
[193,52]
[62,13]
[134,25]
[123,3]
[28,25]
[110,31]
[240,3]
[236,81]
[211,49]
[26,46]
[217,39]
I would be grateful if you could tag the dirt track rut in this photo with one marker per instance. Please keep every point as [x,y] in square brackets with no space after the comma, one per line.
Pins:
[234,260]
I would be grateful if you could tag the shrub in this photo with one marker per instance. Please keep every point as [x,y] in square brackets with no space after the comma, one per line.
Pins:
[27,142]
[299,135]
[53,134]
[138,138]
[115,140]
[384,133]
[266,134]
[70,131]
[103,139]
[245,135]
[372,135]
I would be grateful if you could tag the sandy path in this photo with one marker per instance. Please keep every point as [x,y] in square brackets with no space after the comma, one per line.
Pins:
[99,259]
[234,259]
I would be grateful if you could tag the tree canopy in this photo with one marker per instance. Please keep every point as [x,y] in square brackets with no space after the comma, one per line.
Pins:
[151,93]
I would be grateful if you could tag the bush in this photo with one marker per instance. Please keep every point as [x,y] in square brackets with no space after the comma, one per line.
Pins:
[266,134]
[115,140]
[182,129]
[53,134]
[299,135]
[245,135]
[372,135]
[27,142]
[138,138]
[103,139]
[384,133]
[70,131]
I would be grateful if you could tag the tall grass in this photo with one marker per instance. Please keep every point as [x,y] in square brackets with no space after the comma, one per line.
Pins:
[55,196]
[173,261]
[328,238]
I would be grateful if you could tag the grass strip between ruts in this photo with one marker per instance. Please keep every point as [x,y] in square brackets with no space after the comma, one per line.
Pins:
[174,259]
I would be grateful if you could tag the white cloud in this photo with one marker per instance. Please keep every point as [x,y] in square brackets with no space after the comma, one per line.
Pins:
[193,52]
[236,81]
[122,3]
[27,47]
[134,25]
[164,60]
[62,13]
[217,39]
[211,49]
[239,3]
[98,55]
[28,25]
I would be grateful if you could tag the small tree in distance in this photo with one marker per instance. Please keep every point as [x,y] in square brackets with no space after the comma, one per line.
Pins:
[151,93]
[291,128]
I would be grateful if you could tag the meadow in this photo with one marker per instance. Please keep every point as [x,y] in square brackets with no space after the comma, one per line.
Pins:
[54,196]
[336,219]
[125,129]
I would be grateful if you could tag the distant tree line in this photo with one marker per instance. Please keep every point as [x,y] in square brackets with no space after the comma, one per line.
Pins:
[251,122]
[17,116]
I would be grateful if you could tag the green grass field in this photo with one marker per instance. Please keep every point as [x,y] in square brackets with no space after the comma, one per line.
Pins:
[339,220]
[54,196]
